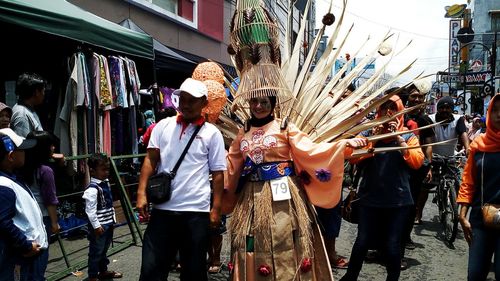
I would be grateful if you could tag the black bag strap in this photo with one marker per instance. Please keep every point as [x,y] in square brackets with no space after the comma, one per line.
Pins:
[176,167]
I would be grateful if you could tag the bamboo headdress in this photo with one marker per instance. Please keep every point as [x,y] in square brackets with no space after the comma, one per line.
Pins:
[255,46]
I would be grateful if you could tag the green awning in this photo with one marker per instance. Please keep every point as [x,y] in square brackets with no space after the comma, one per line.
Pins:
[61,18]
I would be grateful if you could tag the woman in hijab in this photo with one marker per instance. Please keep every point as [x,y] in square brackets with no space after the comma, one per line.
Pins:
[275,175]
[475,128]
[384,193]
[481,184]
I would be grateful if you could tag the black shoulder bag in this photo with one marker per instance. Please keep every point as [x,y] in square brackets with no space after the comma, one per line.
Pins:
[159,188]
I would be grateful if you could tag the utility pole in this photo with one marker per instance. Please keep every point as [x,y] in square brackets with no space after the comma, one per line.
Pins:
[493,63]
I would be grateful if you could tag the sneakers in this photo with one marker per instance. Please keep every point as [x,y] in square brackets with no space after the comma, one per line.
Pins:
[404,264]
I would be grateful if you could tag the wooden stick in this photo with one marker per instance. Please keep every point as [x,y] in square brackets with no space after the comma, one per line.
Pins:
[384,136]
[362,152]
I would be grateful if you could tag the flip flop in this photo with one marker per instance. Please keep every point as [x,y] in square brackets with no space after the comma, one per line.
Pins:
[110,275]
[340,263]
[214,269]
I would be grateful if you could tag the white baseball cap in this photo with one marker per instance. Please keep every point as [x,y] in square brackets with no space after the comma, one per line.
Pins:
[12,141]
[193,87]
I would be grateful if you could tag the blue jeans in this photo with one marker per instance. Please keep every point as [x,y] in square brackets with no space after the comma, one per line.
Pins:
[6,263]
[386,225]
[169,232]
[98,248]
[485,243]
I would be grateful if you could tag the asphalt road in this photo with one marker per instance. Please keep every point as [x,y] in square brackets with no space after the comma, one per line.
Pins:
[433,259]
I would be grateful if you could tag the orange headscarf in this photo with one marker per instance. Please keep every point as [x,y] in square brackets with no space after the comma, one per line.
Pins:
[400,107]
[489,141]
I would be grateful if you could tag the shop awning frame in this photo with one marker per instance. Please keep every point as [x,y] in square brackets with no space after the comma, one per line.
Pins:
[61,18]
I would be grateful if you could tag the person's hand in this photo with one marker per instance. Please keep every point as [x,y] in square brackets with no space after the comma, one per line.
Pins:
[142,205]
[392,126]
[214,218]
[55,228]
[35,249]
[356,142]
[467,229]
[401,141]
[428,177]
[99,231]
[378,130]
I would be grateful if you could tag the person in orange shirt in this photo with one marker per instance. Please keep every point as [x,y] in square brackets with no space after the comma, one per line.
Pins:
[481,184]
[384,193]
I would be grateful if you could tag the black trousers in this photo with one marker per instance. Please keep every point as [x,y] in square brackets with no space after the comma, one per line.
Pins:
[169,232]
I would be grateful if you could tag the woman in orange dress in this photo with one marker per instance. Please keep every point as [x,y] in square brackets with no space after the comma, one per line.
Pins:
[275,175]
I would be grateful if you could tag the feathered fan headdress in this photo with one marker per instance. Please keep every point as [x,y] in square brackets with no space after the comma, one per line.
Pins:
[315,102]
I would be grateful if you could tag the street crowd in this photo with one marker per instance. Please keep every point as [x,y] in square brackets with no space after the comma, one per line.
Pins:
[273,180]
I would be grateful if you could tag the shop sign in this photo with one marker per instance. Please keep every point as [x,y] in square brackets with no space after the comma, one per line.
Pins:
[454,44]
[472,78]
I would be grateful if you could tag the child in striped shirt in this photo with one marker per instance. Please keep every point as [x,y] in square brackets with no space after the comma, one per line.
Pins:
[101,215]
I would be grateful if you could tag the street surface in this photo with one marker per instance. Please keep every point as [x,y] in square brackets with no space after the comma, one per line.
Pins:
[431,260]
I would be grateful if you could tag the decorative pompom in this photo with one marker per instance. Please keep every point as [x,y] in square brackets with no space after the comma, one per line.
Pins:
[323,175]
[208,71]
[385,49]
[328,19]
[265,270]
[306,265]
[216,100]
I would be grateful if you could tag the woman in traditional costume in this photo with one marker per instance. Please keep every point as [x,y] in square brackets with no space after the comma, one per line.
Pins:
[275,174]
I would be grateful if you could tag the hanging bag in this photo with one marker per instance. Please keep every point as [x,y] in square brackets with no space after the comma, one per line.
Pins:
[491,212]
[350,205]
[159,188]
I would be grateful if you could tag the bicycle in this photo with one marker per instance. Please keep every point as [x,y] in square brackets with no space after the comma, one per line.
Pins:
[446,176]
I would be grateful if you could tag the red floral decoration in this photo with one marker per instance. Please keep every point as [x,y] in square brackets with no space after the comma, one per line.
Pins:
[230,267]
[306,265]
[265,270]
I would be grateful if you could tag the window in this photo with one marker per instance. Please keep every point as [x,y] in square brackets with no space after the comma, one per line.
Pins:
[495,21]
[183,11]
[169,5]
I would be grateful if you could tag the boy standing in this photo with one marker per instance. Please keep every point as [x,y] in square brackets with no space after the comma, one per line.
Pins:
[101,214]
[21,225]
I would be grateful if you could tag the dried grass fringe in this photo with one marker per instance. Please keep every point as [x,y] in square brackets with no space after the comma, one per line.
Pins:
[254,214]
[241,220]
[263,215]
[303,220]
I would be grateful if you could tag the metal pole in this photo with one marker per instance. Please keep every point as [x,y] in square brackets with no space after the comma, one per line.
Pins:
[494,59]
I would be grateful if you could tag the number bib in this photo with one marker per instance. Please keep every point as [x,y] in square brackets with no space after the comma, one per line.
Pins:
[280,189]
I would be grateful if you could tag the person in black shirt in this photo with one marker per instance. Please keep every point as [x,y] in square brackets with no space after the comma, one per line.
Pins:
[414,96]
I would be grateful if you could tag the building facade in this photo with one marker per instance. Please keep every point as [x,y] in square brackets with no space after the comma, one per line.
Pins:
[485,23]
[197,29]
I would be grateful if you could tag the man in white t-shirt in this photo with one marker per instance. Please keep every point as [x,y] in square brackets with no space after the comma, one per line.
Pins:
[182,223]
[30,89]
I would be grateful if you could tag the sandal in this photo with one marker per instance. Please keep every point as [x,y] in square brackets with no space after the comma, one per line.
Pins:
[109,275]
[214,269]
[340,263]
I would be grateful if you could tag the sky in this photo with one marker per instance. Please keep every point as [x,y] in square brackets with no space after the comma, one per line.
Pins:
[419,21]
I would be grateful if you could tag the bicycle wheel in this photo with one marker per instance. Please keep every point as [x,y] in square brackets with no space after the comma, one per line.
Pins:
[450,212]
